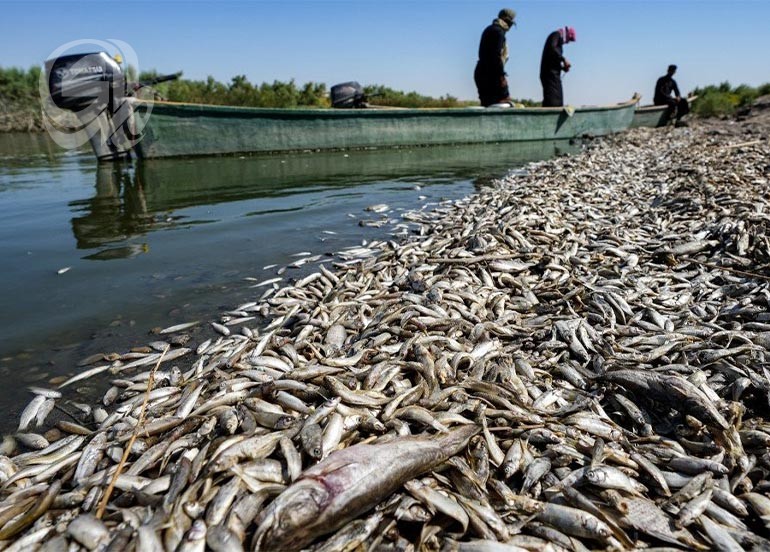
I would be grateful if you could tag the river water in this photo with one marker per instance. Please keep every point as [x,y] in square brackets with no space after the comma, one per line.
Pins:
[96,256]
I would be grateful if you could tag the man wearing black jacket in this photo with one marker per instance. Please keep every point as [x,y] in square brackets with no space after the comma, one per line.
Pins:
[493,53]
[665,86]
[552,64]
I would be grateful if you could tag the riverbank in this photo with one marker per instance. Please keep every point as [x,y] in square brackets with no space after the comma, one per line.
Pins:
[27,116]
[601,322]
[17,118]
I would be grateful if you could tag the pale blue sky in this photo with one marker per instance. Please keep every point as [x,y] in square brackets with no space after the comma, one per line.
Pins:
[428,46]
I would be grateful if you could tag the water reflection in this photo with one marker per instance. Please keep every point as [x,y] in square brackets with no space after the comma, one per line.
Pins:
[117,211]
[21,150]
[133,200]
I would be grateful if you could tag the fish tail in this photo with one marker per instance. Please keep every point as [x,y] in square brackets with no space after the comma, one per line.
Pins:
[457,439]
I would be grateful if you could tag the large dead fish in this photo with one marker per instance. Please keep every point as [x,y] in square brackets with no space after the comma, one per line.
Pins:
[347,484]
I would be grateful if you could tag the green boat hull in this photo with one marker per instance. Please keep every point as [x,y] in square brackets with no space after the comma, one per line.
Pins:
[181,130]
[652,116]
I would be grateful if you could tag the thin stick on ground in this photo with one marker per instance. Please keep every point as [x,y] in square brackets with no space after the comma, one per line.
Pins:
[127,451]
[742,144]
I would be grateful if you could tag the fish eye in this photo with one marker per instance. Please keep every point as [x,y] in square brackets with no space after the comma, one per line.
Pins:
[285,523]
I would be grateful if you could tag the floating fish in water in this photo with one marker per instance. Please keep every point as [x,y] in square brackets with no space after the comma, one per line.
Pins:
[378,208]
[178,327]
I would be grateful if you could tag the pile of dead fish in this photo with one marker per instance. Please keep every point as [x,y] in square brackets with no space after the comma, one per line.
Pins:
[576,359]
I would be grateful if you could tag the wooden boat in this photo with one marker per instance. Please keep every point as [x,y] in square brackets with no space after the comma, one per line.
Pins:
[180,130]
[653,115]
[92,86]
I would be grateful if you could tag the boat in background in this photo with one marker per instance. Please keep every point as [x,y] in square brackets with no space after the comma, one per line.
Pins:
[653,116]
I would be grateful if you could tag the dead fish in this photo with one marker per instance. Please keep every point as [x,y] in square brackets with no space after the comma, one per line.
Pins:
[88,531]
[348,482]
[178,327]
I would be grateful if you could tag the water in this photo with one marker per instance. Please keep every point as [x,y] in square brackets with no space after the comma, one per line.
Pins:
[96,256]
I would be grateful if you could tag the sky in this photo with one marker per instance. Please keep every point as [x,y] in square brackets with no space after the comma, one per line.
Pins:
[429,46]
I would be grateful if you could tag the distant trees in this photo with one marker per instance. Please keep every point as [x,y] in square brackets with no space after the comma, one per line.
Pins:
[241,92]
[723,99]
[19,84]
[383,95]
[20,99]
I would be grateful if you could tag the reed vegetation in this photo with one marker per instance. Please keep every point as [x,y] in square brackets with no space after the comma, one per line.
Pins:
[724,100]
[20,99]
[239,91]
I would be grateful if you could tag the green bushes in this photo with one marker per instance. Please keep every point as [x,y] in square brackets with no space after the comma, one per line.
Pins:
[241,92]
[724,100]
[382,95]
[19,85]
[20,100]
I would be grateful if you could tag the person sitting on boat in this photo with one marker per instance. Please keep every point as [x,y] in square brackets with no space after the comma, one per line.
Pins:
[666,86]
[493,53]
[553,63]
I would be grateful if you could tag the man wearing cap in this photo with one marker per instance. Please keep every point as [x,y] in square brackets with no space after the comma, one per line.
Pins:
[552,64]
[665,86]
[493,53]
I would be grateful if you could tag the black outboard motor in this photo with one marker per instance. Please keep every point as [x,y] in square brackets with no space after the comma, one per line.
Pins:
[78,81]
[348,95]
[93,87]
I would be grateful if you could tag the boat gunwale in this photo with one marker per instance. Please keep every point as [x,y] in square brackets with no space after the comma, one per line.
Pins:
[192,109]
[652,107]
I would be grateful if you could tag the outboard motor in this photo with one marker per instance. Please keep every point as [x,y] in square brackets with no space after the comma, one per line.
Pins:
[93,87]
[348,95]
[78,80]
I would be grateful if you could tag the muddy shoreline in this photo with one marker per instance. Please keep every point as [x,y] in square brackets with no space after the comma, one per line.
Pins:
[15,119]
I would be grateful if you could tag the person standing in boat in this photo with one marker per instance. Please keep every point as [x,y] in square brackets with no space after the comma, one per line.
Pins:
[552,64]
[493,53]
[666,86]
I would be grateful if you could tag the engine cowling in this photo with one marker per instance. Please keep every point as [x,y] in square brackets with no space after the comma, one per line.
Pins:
[79,81]
[348,95]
